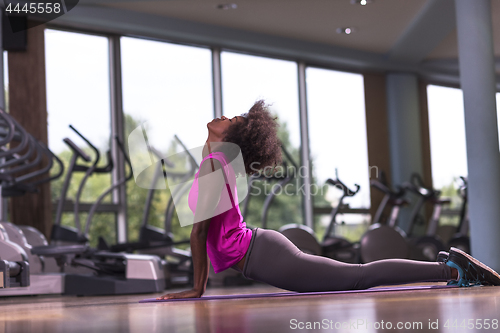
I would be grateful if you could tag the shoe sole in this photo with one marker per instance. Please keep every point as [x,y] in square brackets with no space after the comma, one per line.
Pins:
[477,263]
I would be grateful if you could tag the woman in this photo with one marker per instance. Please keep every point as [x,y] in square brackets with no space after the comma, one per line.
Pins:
[268,256]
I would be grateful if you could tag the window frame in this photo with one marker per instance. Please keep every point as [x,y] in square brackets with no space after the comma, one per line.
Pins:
[119,205]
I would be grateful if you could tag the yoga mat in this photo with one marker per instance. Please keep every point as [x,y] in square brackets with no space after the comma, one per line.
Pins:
[285,294]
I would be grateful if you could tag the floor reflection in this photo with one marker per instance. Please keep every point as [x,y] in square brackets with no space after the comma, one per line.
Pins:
[340,312]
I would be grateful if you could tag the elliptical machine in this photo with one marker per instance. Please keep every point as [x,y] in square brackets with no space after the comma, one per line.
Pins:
[65,235]
[177,263]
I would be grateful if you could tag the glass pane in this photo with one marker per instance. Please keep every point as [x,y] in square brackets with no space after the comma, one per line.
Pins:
[337,134]
[246,79]
[6,79]
[447,140]
[103,225]
[345,228]
[168,88]
[498,115]
[78,94]
[6,109]
[448,143]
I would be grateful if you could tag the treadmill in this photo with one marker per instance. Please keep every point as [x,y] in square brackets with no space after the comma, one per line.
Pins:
[107,273]
[110,273]
[21,272]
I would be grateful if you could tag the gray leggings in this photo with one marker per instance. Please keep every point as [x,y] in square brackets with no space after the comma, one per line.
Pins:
[273,259]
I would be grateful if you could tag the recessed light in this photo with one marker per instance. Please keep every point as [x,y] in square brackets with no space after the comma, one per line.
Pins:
[361,2]
[227,6]
[346,30]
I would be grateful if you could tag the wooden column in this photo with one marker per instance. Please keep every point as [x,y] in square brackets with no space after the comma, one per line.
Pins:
[27,103]
[377,132]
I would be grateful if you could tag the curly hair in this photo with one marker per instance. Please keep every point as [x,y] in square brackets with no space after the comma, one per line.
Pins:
[256,135]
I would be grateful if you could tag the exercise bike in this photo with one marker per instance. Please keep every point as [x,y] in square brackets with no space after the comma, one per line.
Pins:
[332,246]
[428,246]
[384,239]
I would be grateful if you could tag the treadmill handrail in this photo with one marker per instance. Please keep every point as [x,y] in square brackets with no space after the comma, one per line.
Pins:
[11,128]
[96,151]
[109,165]
[33,148]
[289,157]
[347,191]
[76,150]
[386,190]
[193,161]
[17,159]
[57,175]
[43,151]
[22,145]
[88,173]
[169,213]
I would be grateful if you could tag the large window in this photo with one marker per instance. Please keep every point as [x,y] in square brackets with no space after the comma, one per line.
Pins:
[78,94]
[6,80]
[246,79]
[447,135]
[447,138]
[4,203]
[448,142]
[337,134]
[168,89]
[498,115]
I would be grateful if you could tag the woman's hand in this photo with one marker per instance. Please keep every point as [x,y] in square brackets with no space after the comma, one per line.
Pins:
[183,294]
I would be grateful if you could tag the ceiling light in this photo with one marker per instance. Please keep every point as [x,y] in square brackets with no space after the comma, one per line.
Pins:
[346,30]
[227,6]
[361,2]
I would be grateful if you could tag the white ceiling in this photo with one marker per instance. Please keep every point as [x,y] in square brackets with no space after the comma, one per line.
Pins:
[416,36]
[309,20]
[378,25]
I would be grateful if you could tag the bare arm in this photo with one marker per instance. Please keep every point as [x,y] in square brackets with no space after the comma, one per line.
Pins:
[200,262]
[206,204]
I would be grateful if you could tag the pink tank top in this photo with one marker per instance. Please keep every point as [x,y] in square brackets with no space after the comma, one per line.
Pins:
[228,237]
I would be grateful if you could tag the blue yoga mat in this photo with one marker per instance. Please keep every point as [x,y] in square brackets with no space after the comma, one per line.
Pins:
[288,294]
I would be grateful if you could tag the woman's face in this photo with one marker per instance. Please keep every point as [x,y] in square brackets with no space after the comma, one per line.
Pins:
[218,126]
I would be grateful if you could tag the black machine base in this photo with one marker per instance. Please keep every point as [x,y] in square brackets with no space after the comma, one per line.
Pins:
[91,285]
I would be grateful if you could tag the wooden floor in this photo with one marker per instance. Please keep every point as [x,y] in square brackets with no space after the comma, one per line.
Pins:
[364,312]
